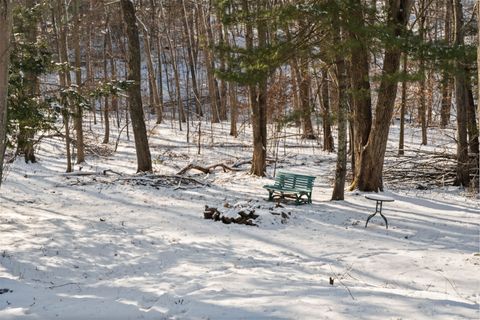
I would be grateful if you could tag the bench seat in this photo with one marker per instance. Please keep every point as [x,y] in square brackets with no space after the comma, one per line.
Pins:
[292,185]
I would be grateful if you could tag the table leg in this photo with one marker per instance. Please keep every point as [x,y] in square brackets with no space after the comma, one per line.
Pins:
[370,217]
[384,218]
[378,209]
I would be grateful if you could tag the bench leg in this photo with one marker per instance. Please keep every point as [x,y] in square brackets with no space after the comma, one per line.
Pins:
[297,199]
[270,195]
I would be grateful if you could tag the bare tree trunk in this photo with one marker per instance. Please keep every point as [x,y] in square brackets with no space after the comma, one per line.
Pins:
[422,108]
[151,74]
[5,32]
[90,65]
[232,93]
[26,134]
[446,100]
[478,78]
[306,112]
[446,81]
[144,159]
[341,167]
[173,54]
[369,177]
[113,76]
[328,144]
[257,97]
[403,108]
[106,109]
[65,78]
[463,177]
[78,80]
[158,46]
[212,89]
[222,90]
[472,128]
[295,88]
[187,26]
[362,101]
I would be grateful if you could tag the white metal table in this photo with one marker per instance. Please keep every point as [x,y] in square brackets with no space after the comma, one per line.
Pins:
[378,209]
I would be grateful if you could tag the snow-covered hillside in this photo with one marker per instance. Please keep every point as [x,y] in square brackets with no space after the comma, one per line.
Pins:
[111,247]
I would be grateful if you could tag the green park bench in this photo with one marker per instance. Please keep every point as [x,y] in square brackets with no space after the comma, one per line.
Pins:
[291,185]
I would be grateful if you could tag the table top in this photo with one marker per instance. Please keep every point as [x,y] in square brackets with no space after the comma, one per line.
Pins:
[378,197]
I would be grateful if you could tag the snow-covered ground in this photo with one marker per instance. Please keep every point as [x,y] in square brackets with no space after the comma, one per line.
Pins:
[103,247]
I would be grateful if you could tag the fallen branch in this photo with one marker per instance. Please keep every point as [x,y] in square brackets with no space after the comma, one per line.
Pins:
[90,173]
[162,180]
[249,161]
[206,170]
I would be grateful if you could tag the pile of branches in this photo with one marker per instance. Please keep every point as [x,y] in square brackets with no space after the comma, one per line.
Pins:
[245,217]
[159,180]
[420,169]
[211,168]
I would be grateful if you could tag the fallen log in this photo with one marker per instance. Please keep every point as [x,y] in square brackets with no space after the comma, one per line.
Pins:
[208,169]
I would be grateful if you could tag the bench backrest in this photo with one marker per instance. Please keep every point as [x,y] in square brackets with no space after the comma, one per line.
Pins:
[294,181]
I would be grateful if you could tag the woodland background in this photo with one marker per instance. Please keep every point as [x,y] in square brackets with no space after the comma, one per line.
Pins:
[348,67]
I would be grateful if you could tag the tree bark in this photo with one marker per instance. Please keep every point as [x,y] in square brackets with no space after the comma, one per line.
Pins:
[106,109]
[187,26]
[461,100]
[478,77]
[232,93]
[403,108]
[369,177]
[5,32]
[26,134]
[64,75]
[341,166]
[446,81]
[362,101]
[472,127]
[258,97]
[328,144]
[151,75]
[306,112]
[209,64]
[78,80]
[422,108]
[144,160]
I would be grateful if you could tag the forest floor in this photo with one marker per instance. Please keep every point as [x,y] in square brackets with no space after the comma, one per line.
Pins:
[113,246]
